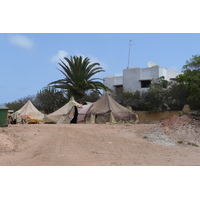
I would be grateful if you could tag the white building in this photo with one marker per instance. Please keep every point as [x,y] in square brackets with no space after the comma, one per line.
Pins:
[138,78]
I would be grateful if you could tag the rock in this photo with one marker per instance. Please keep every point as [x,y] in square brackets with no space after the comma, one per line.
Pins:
[186,109]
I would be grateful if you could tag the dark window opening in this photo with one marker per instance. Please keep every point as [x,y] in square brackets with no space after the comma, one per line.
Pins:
[145,84]
[119,89]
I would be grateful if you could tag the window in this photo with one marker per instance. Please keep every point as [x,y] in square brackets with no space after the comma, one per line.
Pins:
[118,88]
[145,84]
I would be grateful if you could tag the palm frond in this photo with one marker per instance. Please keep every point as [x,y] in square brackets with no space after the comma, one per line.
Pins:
[78,73]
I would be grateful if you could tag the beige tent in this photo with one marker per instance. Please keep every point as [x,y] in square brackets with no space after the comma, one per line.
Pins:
[82,112]
[65,114]
[27,110]
[106,109]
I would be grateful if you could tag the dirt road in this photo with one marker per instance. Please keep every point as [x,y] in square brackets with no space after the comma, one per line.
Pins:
[89,145]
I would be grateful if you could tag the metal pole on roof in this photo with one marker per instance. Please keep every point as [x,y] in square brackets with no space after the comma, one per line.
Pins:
[129,52]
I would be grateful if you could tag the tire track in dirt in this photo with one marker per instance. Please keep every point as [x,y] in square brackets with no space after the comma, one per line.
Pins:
[92,145]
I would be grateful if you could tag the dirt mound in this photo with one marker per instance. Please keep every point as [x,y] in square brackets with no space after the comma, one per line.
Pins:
[183,129]
[176,121]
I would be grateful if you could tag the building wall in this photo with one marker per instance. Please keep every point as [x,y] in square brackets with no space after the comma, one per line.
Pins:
[109,82]
[132,77]
[171,74]
[112,81]
[118,80]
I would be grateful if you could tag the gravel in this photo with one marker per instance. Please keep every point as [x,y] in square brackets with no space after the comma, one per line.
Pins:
[156,137]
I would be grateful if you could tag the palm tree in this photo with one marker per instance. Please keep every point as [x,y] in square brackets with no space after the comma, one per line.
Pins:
[78,79]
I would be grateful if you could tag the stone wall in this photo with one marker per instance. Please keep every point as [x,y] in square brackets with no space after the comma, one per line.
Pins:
[155,117]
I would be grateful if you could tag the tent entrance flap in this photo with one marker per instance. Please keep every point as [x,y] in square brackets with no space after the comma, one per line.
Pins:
[63,115]
[66,118]
[107,117]
[74,120]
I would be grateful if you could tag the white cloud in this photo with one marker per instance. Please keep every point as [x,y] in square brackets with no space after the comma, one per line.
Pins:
[60,55]
[94,59]
[21,41]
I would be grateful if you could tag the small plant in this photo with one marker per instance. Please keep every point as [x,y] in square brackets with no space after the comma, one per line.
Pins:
[180,142]
[192,144]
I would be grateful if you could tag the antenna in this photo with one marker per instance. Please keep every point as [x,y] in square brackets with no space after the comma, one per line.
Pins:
[129,52]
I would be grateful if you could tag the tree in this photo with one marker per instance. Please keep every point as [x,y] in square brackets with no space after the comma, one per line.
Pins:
[50,99]
[193,63]
[127,98]
[145,100]
[91,96]
[155,99]
[178,95]
[160,83]
[190,80]
[78,77]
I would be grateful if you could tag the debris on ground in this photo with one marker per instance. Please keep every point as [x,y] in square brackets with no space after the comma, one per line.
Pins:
[157,137]
[183,129]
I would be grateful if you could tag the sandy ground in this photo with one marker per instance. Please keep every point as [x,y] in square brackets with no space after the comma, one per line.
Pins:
[99,145]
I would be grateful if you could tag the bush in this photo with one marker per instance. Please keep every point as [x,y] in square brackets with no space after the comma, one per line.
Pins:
[162,95]
[50,100]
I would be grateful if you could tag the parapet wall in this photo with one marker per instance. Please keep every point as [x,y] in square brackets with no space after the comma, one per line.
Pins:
[155,117]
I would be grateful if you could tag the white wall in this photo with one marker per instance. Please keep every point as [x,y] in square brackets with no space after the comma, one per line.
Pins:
[145,73]
[118,80]
[132,77]
[171,74]
[112,81]
[109,82]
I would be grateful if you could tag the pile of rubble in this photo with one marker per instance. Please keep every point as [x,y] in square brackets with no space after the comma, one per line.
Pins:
[177,121]
[183,129]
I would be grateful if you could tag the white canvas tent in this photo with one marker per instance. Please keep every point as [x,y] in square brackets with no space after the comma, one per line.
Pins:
[64,115]
[106,109]
[82,112]
[27,110]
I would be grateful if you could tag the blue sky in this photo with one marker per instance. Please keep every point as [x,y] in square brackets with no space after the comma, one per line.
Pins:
[29,61]
[35,35]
